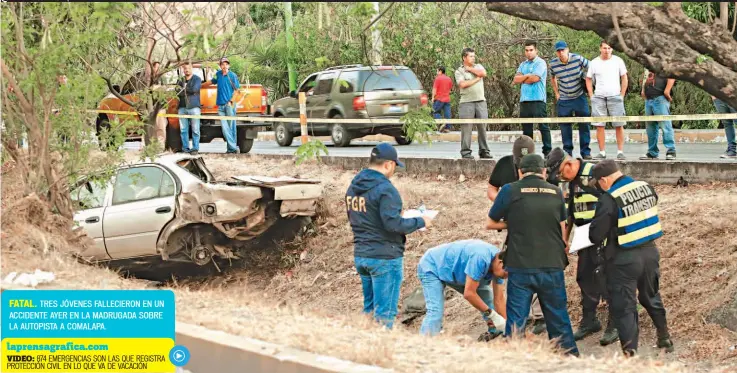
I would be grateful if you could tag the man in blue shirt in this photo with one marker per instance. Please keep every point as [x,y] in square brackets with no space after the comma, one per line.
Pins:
[568,74]
[374,209]
[468,267]
[227,82]
[532,75]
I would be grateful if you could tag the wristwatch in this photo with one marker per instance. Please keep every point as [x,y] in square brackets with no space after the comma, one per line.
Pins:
[487,312]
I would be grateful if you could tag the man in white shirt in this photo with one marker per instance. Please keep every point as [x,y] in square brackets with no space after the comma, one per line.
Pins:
[610,76]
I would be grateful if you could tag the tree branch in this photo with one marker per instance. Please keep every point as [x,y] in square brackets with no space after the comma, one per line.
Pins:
[116,93]
[617,30]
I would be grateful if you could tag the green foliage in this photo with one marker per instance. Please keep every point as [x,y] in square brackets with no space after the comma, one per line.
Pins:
[419,124]
[310,150]
[703,58]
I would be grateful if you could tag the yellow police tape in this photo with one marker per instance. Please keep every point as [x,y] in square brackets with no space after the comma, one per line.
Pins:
[87,355]
[266,120]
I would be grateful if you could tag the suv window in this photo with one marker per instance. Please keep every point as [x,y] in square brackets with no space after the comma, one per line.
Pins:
[348,81]
[89,195]
[140,184]
[388,80]
[308,85]
[325,83]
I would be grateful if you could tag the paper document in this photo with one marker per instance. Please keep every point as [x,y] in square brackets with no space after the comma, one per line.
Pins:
[580,238]
[420,213]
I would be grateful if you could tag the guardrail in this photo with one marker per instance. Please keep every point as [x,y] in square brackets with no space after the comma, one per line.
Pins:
[628,118]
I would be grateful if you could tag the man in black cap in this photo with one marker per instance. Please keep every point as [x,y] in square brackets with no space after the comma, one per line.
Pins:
[534,213]
[590,270]
[374,209]
[506,171]
[627,222]
[227,84]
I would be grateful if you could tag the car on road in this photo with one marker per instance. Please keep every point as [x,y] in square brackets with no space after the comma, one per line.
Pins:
[173,207]
[352,92]
[251,101]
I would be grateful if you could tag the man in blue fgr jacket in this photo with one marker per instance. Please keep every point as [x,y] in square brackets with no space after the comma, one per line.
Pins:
[375,212]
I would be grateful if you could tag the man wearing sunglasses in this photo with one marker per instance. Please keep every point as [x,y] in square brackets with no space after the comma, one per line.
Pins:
[581,203]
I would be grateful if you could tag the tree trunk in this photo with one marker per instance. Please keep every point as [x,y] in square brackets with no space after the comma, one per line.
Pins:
[319,16]
[662,38]
[376,44]
[724,14]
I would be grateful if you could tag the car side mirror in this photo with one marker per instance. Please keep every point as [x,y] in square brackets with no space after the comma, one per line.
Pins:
[293,94]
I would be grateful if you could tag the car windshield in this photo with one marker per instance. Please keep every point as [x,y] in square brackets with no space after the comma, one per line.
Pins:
[194,168]
[389,80]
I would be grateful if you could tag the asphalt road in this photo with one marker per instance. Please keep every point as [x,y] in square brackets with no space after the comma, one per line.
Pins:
[687,152]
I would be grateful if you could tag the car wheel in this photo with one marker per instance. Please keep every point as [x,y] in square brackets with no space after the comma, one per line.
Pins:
[402,140]
[244,144]
[283,135]
[339,134]
[173,139]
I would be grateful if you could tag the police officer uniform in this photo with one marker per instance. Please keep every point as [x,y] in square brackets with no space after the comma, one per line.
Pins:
[627,223]
[582,199]
[534,211]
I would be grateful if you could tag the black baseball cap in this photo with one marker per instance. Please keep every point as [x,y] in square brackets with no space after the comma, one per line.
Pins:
[532,163]
[555,158]
[604,169]
[522,146]
[386,152]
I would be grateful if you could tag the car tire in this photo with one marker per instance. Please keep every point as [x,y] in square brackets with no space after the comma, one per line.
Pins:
[173,139]
[244,144]
[402,140]
[282,134]
[339,134]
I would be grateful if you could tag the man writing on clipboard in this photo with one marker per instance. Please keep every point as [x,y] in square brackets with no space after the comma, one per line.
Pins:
[581,201]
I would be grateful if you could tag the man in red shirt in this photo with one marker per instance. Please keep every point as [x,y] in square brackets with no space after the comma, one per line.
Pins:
[441,96]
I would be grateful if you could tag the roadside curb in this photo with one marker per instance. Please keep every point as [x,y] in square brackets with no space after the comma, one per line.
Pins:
[655,172]
[630,136]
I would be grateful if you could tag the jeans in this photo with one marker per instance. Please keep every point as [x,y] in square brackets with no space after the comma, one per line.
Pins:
[578,107]
[381,280]
[434,289]
[550,287]
[659,106]
[184,129]
[473,110]
[729,124]
[230,131]
[536,109]
[441,110]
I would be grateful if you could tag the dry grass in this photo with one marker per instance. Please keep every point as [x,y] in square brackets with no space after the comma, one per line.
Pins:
[315,305]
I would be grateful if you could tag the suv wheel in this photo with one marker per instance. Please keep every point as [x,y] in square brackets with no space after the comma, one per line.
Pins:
[402,140]
[283,135]
[339,134]
[244,144]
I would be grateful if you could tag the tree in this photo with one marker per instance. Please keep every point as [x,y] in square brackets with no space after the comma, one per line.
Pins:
[660,37]
[172,33]
[46,90]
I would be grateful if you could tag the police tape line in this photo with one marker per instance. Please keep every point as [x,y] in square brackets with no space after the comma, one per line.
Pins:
[609,119]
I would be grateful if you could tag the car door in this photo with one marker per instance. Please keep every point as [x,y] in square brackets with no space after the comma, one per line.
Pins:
[143,202]
[89,201]
[317,104]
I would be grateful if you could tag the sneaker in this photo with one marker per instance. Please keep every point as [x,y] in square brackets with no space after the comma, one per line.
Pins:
[648,157]
[621,157]
[670,156]
[467,156]
[610,336]
[600,156]
[729,155]
[194,152]
[538,327]
[587,157]
[667,344]
[585,329]
[486,156]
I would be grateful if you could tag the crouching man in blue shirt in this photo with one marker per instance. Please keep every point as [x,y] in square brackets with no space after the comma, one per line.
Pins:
[374,209]
[468,267]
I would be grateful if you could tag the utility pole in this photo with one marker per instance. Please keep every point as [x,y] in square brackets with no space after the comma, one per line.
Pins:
[376,43]
[290,45]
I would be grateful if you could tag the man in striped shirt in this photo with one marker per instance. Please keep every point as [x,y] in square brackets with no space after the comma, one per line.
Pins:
[568,72]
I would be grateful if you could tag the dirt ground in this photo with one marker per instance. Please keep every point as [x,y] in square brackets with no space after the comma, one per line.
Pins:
[309,295]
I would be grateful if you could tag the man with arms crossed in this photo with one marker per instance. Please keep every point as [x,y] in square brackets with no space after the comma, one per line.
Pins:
[532,75]
[609,75]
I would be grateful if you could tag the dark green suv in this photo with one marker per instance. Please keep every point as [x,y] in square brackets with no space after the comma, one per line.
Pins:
[352,92]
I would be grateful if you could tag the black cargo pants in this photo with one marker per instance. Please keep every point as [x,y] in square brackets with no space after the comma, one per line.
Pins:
[592,282]
[627,273]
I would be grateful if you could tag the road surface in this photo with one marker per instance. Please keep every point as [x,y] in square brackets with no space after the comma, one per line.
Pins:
[687,152]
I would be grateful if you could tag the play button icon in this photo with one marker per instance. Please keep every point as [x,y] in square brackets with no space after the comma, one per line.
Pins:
[179,356]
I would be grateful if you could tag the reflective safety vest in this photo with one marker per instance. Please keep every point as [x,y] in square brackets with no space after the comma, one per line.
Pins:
[638,221]
[584,204]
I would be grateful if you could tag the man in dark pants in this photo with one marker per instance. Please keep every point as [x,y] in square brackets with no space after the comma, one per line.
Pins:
[627,223]
[589,273]
[532,75]
[534,213]
[506,171]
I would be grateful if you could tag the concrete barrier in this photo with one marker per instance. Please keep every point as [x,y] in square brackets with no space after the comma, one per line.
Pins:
[216,351]
[655,172]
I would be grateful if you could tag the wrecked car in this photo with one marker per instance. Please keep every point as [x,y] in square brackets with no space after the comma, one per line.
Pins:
[173,207]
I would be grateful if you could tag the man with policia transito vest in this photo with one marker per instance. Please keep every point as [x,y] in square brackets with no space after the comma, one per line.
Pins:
[589,273]
[627,223]
[506,171]
[534,213]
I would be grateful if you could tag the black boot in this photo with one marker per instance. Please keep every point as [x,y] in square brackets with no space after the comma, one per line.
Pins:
[538,327]
[587,327]
[611,334]
[665,342]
